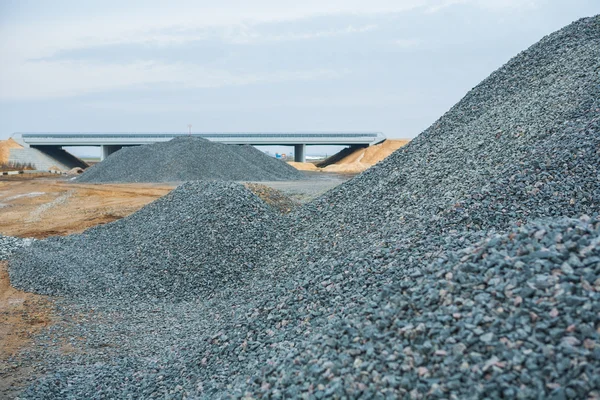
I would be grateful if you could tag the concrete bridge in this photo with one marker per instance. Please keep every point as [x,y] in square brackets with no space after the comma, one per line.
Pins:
[111,142]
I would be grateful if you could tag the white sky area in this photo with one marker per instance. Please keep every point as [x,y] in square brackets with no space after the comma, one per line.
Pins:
[266,65]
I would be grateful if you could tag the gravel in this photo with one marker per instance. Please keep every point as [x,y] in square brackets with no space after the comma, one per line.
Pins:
[195,239]
[188,159]
[466,265]
[10,244]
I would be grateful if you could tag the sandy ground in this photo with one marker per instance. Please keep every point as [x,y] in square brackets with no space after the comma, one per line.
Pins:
[303,166]
[46,207]
[365,158]
[22,315]
[5,146]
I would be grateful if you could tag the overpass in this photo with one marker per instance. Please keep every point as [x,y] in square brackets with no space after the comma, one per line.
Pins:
[113,141]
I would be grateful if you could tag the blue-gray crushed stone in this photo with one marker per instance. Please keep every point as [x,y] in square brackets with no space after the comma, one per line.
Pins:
[189,159]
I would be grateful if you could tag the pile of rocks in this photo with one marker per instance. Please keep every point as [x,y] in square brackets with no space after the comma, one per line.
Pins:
[188,159]
[199,237]
[467,264]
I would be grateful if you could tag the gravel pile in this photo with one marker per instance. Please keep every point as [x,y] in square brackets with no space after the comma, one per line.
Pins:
[190,242]
[513,315]
[465,265]
[188,159]
[10,244]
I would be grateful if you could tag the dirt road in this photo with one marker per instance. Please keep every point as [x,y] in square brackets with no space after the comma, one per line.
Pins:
[22,315]
[47,207]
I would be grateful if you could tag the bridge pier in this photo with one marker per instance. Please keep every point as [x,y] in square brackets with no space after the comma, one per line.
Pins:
[108,149]
[299,152]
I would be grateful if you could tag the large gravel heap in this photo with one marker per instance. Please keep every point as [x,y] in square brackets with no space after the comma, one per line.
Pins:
[466,265]
[188,159]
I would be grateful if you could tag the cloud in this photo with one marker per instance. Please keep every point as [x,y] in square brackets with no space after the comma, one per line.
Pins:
[183,21]
[406,43]
[47,79]
[484,4]
[45,57]
[255,37]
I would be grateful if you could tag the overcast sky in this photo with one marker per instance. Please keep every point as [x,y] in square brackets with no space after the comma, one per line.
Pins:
[270,65]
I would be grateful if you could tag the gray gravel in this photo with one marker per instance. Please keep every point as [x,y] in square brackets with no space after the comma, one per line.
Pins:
[466,265]
[188,159]
[10,244]
[195,239]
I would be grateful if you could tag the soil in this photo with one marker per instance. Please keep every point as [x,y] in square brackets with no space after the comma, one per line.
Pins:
[365,158]
[303,166]
[22,315]
[5,146]
[358,160]
[47,207]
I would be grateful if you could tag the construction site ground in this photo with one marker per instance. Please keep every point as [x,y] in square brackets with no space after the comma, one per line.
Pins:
[22,315]
[41,206]
[46,206]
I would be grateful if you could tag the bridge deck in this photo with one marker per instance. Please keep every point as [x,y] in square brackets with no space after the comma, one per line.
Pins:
[253,138]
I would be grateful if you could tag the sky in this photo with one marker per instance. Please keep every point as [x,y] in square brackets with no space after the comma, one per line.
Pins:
[261,65]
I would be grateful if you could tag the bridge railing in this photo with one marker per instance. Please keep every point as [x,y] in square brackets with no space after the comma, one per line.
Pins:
[98,138]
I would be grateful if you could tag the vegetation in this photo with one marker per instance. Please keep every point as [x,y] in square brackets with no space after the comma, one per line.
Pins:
[16,166]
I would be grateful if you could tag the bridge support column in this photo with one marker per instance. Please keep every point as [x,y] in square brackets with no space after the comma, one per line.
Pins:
[299,152]
[107,150]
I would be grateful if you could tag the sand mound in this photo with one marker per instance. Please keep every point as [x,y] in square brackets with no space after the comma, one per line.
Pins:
[373,154]
[5,146]
[303,166]
[354,160]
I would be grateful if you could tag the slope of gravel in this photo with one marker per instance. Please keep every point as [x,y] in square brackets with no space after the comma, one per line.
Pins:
[190,242]
[465,265]
[188,159]
[10,244]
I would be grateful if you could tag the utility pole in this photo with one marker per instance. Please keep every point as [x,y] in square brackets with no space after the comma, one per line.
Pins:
[190,129]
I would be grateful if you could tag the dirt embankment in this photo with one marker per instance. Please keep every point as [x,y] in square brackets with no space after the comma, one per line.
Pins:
[5,146]
[303,166]
[22,315]
[355,161]
[42,207]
